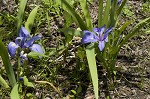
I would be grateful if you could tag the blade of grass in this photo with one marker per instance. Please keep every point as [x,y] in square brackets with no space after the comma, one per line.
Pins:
[119,31]
[5,58]
[20,14]
[86,13]
[120,8]
[48,22]
[14,92]
[31,18]
[100,13]
[36,55]
[106,13]
[3,83]
[68,19]
[112,20]
[90,53]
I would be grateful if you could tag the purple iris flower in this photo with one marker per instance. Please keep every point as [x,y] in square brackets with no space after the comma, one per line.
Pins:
[24,41]
[12,47]
[101,36]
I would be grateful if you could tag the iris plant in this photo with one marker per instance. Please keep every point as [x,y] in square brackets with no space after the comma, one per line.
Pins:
[24,41]
[101,36]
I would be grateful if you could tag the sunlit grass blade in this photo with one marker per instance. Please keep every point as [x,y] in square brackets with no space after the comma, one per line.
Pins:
[86,13]
[31,18]
[100,13]
[14,92]
[90,53]
[5,58]
[36,55]
[22,6]
[3,83]
[74,14]
[106,13]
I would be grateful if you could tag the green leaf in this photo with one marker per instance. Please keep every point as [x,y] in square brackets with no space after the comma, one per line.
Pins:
[20,14]
[5,58]
[68,19]
[100,13]
[70,2]
[106,13]
[29,95]
[74,92]
[148,31]
[79,89]
[113,18]
[1,20]
[80,52]
[121,7]
[48,21]
[14,92]
[31,18]
[72,31]
[3,82]
[36,55]
[120,30]
[86,13]
[73,13]
[27,83]
[90,52]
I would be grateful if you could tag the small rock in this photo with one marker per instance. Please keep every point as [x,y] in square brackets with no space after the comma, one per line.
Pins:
[48,98]
[148,97]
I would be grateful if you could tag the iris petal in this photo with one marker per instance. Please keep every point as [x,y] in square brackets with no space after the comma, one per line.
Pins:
[100,30]
[106,33]
[89,37]
[106,39]
[20,41]
[101,45]
[36,48]
[31,41]
[12,47]
[24,33]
